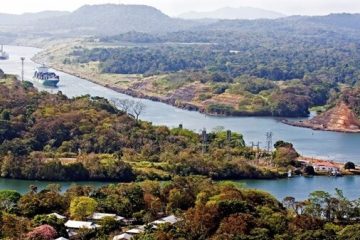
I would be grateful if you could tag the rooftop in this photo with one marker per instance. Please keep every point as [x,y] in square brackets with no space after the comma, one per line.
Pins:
[79,224]
[99,216]
[57,215]
[170,219]
[124,236]
[135,231]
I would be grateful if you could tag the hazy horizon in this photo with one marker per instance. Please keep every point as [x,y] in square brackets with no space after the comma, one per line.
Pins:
[177,7]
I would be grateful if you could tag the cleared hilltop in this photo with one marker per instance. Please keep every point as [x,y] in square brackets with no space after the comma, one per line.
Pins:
[343,117]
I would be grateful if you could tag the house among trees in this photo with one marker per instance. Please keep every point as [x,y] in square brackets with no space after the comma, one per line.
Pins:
[124,236]
[169,219]
[98,216]
[58,216]
[72,226]
[137,230]
[172,219]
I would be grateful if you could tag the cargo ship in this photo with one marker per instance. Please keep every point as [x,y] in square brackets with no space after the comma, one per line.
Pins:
[45,77]
[3,55]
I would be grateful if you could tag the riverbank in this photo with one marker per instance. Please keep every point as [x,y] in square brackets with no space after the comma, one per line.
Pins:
[340,118]
[302,124]
[119,83]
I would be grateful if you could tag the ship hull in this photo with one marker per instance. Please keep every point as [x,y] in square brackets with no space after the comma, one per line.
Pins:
[49,82]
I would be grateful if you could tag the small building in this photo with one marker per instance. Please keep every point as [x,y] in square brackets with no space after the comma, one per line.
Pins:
[325,167]
[71,224]
[158,222]
[135,231]
[170,219]
[124,236]
[98,216]
[58,216]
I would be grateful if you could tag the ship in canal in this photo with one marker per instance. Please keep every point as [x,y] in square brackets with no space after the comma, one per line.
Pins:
[46,77]
[3,55]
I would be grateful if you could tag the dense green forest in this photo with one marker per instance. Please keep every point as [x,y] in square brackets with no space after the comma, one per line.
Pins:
[206,210]
[301,62]
[274,50]
[49,136]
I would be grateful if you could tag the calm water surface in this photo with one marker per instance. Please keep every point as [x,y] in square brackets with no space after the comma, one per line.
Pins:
[337,146]
[298,187]
[22,186]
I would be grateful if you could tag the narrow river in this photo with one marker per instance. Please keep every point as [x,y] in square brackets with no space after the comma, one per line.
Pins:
[336,146]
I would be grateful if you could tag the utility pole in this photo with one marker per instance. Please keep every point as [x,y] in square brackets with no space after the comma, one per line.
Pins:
[22,68]
[269,136]
[257,145]
[204,140]
[228,143]
[228,136]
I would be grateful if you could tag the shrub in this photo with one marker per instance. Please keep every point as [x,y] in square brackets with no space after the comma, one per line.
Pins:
[43,232]
[349,165]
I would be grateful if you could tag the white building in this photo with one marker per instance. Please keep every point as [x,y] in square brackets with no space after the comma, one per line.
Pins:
[325,167]
[124,236]
[80,224]
[98,216]
[171,219]
[134,231]
[58,216]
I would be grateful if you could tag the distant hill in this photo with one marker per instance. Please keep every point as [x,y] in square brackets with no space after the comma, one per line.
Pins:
[115,19]
[234,13]
[26,18]
[111,19]
[106,19]
[343,20]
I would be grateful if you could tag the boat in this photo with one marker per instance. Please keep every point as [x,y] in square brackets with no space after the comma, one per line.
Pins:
[335,173]
[45,77]
[3,55]
[289,174]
